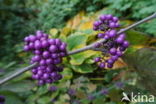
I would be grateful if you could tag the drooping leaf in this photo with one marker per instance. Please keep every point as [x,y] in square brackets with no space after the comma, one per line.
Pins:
[20,86]
[143,62]
[11,97]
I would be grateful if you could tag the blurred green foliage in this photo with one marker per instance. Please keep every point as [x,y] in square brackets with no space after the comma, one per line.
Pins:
[20,18]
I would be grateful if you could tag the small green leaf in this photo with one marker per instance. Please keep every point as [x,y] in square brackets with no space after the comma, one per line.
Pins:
[84,68]
[79,58]
[75,40]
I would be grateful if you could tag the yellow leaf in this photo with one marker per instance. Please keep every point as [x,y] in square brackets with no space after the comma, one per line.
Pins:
[86,25]
[65,31]
[119,64]
[53,32]
[74,22]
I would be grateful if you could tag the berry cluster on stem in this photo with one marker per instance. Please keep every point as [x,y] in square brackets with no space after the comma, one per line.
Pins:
[114,45]
[48,53]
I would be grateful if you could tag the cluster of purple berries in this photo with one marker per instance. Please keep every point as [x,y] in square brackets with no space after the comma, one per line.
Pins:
[115,44]
[2,99]
[48,54]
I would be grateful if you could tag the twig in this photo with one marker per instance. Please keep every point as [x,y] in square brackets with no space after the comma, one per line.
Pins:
[17,73]
[89,47]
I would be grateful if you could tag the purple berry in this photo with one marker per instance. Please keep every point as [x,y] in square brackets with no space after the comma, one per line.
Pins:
[34,71]
[119,53]
[32,38]
[102,65]
[125,44]
[49,61]
[112,25]
[36,58]
[52,41]
[54,55]
[37,52]
[46,54]
[58,42]
[96,23]
[109,17]
[26,39]
[37,44]
[45,44]
[115,19]
[122,48]
[112,33]
[101,35]
[112,51]
[52,48]
[122,36]
[31,45]
[26,48]
[103,17]
[45,36]
[110,61]
[40,73]
[120,40]
[97,59]
[42,62]
[97,45]
[109,65]
[45,76]
[62,47]
[106,37]
[39,34]
[114,58]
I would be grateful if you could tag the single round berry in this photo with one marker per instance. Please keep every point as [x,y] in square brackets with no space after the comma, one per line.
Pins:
[46,54]
[112,33]
[109,65]
[101,35]
[52,48]
[125,44]
[97,59]
[112,51]
[102,65]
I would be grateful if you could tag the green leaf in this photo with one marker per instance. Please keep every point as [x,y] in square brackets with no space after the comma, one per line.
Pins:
[79,58]
[83,68]
[136,37]
[67,73]
[99,100]
[21,86]
[43,100]
[11,97]
[75,40]
[115,95]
